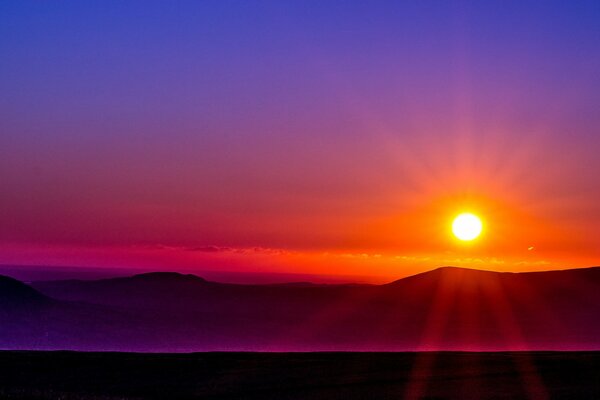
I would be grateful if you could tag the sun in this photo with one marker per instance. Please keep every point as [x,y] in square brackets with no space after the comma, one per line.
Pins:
[467,226]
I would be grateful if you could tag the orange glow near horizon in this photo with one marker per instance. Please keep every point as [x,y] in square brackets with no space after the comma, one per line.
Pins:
[519,236]
[282,265]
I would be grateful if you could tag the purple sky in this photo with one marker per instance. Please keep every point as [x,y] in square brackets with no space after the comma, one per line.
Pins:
[300,129]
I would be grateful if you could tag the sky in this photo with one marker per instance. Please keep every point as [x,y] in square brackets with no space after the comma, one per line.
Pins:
[334,139]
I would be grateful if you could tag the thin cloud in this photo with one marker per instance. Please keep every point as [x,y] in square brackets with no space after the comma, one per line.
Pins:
[209,249]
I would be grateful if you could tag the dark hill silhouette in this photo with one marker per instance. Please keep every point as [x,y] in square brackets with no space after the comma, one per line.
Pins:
[175,291]
[444,309]
[162,277]
[14,293]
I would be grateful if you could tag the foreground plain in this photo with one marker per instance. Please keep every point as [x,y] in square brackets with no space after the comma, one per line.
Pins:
[430,375]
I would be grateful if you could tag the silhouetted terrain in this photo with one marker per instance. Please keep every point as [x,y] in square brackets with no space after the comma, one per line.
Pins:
[445,309]
[526,375]
[17,294]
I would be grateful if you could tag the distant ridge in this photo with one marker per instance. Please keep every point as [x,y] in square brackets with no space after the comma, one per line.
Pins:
[166,276]
[450,272]
[449,269]
[143,277]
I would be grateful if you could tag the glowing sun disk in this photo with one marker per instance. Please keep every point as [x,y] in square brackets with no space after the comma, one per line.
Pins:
[467,226]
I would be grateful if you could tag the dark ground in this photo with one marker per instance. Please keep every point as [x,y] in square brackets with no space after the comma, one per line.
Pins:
[513,375]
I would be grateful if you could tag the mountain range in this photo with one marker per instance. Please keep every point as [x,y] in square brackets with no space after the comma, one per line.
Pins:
[444,309]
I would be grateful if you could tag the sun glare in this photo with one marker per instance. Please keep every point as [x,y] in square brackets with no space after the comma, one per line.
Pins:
[467,226]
